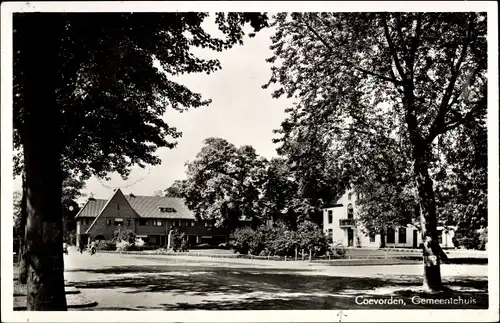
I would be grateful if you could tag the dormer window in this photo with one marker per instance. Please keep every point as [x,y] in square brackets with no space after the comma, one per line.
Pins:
[166,209]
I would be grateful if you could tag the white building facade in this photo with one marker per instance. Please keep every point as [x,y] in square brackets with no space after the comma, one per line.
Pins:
[340,223]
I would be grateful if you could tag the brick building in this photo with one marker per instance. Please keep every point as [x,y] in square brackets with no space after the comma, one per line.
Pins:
[150,217]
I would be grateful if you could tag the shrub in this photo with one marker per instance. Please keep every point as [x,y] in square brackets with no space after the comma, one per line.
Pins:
[483,239]
[310,236]
[126,235]
[70,238]
[241,239]
[279,241]
[106,245]
[285,243]
[123,245]
[179,241]
[469,239]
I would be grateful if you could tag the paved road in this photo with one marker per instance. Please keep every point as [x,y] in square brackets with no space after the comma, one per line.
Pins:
[131,282]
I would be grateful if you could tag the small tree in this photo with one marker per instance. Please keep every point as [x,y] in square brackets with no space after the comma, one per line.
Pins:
[241,239]
[124,235]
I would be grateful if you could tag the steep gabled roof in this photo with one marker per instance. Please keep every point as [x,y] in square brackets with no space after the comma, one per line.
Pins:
[149,207]
[91,209]
[144,206]
[117,194]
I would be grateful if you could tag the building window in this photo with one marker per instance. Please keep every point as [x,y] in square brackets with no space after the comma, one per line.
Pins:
[402,235]
[167,209]
[118,221]
[350,212]
[372,237]
[206,224]
[349,196]
[330,234]
[391,235]
[118,207]
[129,222]
[192,223]
[330,216]
[143,222]
[157,223]
[187,223]
[108,221]
[440,236]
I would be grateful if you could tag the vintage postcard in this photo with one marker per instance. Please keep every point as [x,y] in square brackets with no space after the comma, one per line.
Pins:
[238,161]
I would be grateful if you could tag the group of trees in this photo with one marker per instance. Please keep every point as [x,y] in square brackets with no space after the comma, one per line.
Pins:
[226,183]
[377,95]
[380,93]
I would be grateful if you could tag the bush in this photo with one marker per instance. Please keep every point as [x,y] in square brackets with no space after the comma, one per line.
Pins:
[241,239]
[483,239]
[138,244]
[70,238]
[285,243]
[126,235]
[468,239]
[123,245]
[279,241]
[106,245]
[179,242]
[312,237]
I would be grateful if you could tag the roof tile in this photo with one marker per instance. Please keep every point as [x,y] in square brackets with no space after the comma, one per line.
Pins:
[145,206]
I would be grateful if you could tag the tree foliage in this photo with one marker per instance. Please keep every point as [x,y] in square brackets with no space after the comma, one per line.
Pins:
[279,193]
[407,76]
[117,78]
[177,189]
[104,82]
[223,183]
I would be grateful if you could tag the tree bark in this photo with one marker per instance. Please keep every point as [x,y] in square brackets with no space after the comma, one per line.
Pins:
[382,239]
[425,194]
[428,221]
[23,269]
[39,46]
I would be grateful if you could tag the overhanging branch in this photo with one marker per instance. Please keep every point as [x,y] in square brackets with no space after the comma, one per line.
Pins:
[392,49]
[331,50]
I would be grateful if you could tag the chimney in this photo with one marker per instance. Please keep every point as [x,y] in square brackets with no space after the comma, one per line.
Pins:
[132,195]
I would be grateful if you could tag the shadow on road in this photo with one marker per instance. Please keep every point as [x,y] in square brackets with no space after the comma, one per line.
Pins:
[272,289]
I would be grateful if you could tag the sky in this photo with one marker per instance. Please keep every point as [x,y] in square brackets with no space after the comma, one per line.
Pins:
[241,112]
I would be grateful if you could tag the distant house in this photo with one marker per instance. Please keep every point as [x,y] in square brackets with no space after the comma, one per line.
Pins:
[340,223]
[149,217]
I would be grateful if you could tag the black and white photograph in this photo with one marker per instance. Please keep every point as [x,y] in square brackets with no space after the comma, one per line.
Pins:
[241,161]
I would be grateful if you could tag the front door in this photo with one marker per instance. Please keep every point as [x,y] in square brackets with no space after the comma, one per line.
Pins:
[350,237]
[415,238]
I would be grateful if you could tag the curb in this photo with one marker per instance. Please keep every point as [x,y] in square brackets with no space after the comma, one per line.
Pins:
[84,305]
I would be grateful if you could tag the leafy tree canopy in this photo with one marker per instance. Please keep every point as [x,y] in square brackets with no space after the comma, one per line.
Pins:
[115,79]
[223,183]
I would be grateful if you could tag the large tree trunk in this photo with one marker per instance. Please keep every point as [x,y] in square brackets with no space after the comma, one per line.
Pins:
[428,221]
[427,207]
[39,45]
[382,239]
[425,197]
[23,269]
